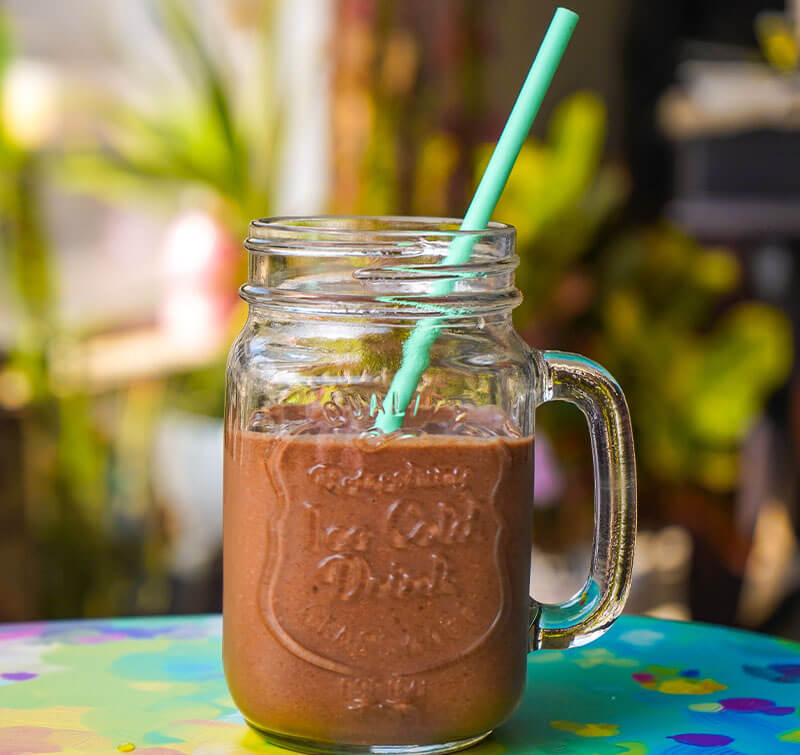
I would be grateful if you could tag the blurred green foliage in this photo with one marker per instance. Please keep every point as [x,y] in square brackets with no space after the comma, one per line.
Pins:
[63,479]
[214,141]
[696,381]
[94,525]
[559,197]
[649,303]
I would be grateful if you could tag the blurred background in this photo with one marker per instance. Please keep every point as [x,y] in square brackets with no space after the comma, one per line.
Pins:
[657,204]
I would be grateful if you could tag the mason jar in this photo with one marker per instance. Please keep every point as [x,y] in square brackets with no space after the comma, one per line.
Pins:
[376,581]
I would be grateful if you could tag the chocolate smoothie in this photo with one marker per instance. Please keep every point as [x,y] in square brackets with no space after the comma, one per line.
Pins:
[376,587]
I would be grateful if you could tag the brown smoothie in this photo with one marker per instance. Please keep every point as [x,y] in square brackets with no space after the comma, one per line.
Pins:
[376,588]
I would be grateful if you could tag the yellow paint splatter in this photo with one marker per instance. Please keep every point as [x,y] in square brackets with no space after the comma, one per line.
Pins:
[586,730]
[706,707]
[127,747]
[151,686]
[603,657]
[662,670]
[229,748]
[632,748]
[668,682]
[681,686]
[57,717]
[790,736]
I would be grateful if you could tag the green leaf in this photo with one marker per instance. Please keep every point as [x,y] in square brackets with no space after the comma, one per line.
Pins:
[197,60]
[746,357]
[6,44]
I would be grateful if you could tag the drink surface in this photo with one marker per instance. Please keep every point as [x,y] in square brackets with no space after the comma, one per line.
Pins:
[376,587]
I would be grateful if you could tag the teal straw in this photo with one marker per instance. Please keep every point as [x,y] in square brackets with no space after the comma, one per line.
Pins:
[416,349]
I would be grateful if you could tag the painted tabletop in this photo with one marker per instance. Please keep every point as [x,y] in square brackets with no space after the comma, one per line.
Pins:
[155,687]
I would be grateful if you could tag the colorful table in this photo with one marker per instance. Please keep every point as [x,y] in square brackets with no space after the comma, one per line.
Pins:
[155,687]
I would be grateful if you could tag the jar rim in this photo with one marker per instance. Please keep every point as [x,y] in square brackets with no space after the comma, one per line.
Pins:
[389,266]
[355,231]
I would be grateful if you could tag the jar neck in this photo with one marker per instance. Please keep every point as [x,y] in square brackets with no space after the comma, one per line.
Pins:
[379,269]
[316,320]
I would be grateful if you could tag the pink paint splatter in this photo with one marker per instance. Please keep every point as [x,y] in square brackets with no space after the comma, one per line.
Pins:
[203,722]
[20,632]
[96,639]
[30,740]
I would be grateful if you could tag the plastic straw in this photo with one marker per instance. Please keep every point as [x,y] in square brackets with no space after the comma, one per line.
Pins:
[416,349]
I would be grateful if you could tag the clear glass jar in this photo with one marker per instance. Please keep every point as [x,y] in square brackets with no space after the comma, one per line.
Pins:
[376,585]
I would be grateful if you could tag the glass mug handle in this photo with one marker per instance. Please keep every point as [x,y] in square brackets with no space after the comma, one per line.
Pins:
[589,613]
